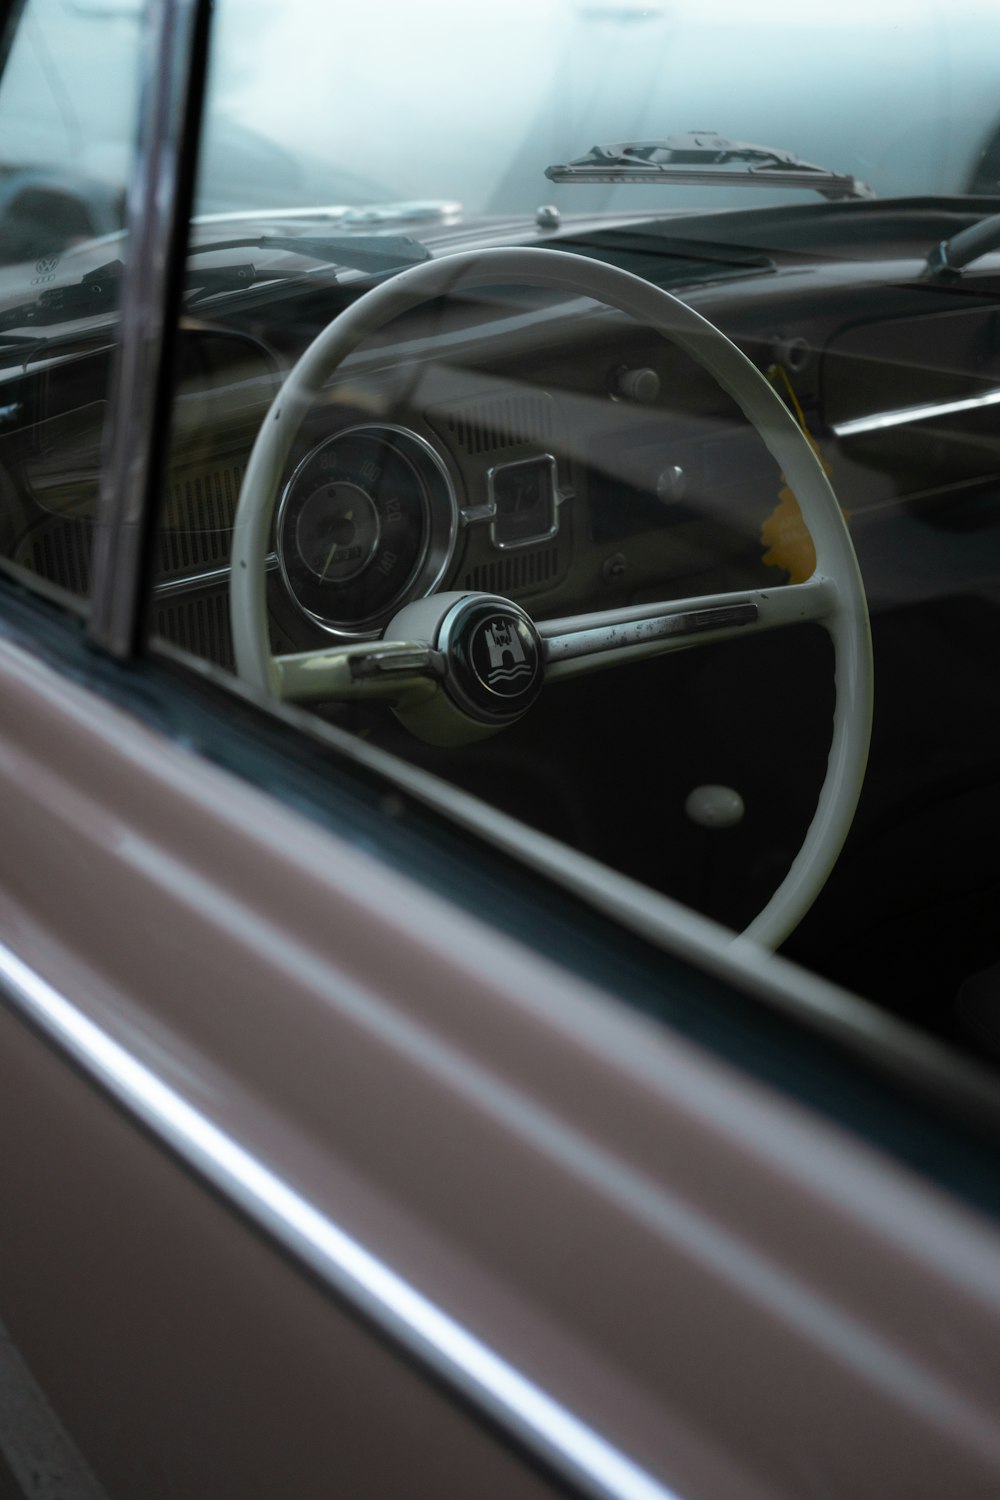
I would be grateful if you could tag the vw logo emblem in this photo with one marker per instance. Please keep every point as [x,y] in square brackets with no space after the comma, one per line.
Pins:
[495,658]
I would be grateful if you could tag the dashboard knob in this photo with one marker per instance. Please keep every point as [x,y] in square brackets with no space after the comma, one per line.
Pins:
[715,807]
[641,385]
[671,484]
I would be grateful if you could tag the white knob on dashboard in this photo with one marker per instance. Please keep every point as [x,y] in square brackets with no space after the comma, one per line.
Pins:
[715,806]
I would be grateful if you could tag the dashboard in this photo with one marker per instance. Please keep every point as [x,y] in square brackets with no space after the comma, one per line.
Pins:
[570,464]
[553,453]
[588,468]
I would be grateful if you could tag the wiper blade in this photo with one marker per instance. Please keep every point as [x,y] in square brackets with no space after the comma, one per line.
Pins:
[704,158]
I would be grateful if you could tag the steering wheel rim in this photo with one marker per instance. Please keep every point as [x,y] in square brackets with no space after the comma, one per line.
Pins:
[845,619]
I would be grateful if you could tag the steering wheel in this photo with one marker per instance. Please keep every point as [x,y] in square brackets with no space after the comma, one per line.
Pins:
[456,666]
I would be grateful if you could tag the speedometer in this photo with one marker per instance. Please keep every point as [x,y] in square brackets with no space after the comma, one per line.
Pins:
[367,522]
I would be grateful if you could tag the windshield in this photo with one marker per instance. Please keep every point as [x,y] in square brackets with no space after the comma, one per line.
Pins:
[428,112]
[447,103]
[452,101]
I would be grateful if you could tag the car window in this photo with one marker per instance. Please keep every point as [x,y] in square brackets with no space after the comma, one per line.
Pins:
[469,473]
[66,144]
[622,487]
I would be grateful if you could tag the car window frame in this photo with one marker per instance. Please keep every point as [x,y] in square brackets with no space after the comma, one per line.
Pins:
[176,35]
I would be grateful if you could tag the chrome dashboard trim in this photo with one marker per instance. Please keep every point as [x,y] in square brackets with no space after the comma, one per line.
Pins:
[903,416]
[525,1411]
[555,494]
[188,582]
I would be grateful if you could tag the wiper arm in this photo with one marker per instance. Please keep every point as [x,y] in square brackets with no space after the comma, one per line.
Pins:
[948,259]
[99,291]
[707,159]
[96,292]
[358,252]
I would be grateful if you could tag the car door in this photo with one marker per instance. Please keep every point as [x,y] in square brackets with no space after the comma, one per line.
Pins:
[347,1153]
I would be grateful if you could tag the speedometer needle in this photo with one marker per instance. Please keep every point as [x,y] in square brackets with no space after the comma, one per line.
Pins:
[349,516]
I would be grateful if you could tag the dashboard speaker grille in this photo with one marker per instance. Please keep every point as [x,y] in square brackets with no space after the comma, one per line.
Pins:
[198,524]
[60,551]
[199,625]
[521,570]
[494,424]
[196,534]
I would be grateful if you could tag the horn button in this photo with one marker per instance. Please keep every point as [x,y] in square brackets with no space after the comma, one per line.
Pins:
[494,658]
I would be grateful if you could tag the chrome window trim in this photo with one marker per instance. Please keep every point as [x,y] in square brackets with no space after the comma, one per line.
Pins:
[537,1420]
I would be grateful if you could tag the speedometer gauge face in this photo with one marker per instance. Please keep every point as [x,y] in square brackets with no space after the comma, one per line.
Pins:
[337,532]
[367,522]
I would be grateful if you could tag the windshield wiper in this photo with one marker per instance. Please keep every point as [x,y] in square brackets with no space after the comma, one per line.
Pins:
[99,291]
[704,158]
[377,254]
[948,260]
[358,252]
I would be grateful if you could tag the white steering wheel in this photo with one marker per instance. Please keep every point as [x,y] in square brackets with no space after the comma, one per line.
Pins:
[426,665]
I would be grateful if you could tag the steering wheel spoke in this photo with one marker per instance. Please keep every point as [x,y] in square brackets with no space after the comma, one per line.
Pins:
[579,644]
[398,672]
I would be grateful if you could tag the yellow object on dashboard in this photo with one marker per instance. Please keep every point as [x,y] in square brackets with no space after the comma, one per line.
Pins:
[784,533]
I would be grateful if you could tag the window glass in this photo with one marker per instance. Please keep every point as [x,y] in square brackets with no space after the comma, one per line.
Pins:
[68,103]
[461,465]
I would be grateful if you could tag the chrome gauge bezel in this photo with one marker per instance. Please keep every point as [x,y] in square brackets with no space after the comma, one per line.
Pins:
[439,510]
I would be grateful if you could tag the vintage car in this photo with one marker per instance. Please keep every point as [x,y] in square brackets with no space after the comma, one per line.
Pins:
[500,772]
